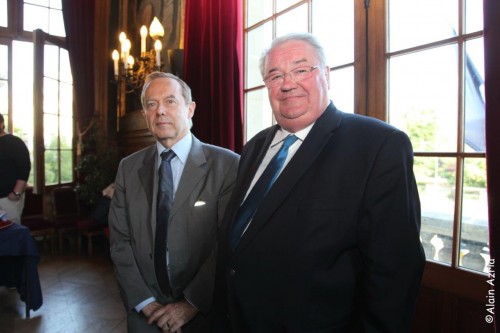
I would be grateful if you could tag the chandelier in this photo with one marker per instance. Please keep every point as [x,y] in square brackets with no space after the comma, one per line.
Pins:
[132,72]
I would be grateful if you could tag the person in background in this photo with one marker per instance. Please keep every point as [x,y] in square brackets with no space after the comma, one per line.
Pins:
[322,233]
[15,167]
[167,206]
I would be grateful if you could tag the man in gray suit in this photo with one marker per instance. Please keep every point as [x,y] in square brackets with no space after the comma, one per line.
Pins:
[203,177]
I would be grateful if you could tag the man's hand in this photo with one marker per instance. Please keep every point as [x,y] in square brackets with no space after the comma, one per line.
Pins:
[171,317]
[150,308]
[13,197]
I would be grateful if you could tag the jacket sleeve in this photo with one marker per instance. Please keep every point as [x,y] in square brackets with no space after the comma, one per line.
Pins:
[132,286]
[389,239]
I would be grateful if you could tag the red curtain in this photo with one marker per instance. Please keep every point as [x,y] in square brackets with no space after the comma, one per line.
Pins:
[213,68]
[492,85]
[79,23]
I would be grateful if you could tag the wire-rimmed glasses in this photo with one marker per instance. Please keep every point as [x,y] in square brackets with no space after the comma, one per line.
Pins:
[298,74]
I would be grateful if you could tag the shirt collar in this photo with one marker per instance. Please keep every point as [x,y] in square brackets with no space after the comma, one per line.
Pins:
[281,134]
[181,148]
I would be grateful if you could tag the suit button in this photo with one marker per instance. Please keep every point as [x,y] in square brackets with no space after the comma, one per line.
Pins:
[232,272]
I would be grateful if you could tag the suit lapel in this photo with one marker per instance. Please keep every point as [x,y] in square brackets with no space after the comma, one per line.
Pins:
[254,159]
[194,171]
[307,154]
[147,175]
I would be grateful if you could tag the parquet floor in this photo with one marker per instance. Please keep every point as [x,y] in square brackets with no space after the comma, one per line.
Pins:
[80,294]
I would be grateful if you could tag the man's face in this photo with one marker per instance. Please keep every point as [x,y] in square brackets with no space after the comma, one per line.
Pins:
[166,113]
[296,105]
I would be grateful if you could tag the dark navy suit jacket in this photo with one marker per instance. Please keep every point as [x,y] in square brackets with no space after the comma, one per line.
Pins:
[334,246]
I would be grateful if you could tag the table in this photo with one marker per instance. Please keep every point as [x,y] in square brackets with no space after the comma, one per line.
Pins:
[19,265]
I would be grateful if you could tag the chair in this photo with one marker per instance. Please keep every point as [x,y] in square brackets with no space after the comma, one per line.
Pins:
[65,212]
[34,219]
[89,228]
[69,220]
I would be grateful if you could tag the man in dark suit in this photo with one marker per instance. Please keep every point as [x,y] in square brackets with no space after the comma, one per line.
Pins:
[179,294]
[333,245]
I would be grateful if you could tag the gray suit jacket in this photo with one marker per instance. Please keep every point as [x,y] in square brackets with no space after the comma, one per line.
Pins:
[208,177]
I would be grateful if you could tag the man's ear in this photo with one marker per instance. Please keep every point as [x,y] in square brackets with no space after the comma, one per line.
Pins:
[192,107]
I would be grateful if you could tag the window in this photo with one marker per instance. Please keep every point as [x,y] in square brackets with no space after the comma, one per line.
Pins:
[416,65]
[3,13]
[45,15]
[435,89]
[47,129]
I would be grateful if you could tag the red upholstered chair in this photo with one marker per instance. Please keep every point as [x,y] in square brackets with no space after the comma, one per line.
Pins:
[33,218]
[65,212]
[69,220]
[89,228]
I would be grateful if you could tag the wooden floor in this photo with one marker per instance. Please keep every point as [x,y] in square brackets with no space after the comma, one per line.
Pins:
[80,294]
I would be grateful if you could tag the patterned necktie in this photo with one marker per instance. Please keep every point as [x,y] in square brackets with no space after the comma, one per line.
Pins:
[249,207]
[163,205]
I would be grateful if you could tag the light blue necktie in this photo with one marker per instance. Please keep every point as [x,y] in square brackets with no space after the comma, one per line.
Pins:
[249,207]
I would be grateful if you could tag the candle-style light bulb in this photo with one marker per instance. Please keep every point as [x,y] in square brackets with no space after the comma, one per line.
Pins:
[125,51]
[122,39]
[144,34]
[158,51]
[115,56]
[130,61]
[156,29]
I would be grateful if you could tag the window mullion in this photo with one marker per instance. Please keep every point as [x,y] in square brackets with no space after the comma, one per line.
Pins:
[39,145]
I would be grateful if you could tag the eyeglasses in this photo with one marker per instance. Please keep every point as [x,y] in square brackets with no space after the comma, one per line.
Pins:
[298,74]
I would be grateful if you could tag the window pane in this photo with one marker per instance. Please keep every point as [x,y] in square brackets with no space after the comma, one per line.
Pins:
[65,69]
[474,237]
[436,184]
[66,166]
[342,89]
[475,139]
[257,40]
[56,26]
[50,131]
[4,83]
[36,17]
[258,112]
[66,96]
[51,61]
[257,10]
[56,4]
[423,98]
[45,16]
[3,13]
[284,4]
[4,99]
[4,60]
[413,23]
[22,87]
[66,132]
[44,3]
[293,21]
[50,97]
[473,15]
[51,167]
[333,25]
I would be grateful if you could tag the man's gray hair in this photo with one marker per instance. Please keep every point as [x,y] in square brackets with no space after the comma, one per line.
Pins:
[186,91]
[305,37]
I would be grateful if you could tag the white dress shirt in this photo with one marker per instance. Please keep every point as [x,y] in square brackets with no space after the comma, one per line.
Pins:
[273,149]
